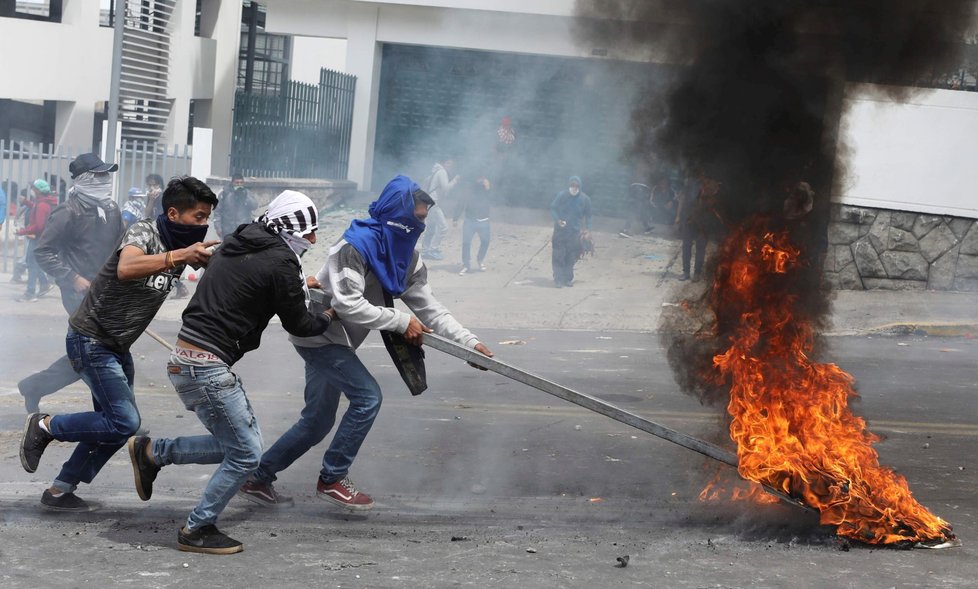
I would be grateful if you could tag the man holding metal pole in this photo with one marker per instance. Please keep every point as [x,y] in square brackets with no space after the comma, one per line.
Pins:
[119,305]
[373,262]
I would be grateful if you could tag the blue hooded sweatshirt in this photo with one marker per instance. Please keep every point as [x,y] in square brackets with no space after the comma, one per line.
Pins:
[387,239]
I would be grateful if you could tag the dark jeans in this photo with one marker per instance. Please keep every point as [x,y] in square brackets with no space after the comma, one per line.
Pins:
[60,373]
[99,433]
[330,371]
[35,276]
[693,235]
[567,250]
[470,229]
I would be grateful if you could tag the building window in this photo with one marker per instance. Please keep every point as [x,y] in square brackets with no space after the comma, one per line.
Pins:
[263,62]
[44,10]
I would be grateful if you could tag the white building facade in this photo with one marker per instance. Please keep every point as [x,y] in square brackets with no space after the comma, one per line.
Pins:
[69,64]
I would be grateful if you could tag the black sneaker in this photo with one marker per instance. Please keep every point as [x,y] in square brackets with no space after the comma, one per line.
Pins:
[207,540]
[63,502]
[34,442]
[144,471]
[264,494]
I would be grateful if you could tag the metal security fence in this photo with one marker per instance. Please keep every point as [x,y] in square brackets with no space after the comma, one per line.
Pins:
[302,133]
[138,159]
[22,163]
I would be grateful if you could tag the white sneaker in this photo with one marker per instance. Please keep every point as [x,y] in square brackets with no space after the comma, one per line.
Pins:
[482,267]
[463,271]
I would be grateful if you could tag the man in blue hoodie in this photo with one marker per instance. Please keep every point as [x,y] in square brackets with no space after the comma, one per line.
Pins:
[374,257]
[571,212]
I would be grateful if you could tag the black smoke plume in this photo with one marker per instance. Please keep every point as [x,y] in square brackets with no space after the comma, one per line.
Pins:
[756,101]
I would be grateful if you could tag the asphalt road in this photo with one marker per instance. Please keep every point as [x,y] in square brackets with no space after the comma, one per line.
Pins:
[485,482]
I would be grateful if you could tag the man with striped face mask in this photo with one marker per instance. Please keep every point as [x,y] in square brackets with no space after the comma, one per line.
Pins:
[253,275]
[374,262]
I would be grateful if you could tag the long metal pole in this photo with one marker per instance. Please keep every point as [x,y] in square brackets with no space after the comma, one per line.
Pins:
[114,91]
[594,404]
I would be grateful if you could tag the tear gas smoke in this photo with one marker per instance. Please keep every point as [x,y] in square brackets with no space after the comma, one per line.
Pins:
[759,102]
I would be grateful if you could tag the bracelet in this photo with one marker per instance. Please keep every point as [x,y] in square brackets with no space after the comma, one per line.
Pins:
[168,260]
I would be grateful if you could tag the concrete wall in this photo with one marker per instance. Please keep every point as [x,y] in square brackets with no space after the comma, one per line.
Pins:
[915,155]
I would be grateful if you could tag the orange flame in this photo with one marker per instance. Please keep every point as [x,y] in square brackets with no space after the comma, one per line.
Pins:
[790,416]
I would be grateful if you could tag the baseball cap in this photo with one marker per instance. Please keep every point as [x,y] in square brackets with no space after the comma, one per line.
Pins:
[136,191]
[42,186]
[89,162]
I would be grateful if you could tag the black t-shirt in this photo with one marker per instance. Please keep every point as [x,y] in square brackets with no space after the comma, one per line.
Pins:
[116,312]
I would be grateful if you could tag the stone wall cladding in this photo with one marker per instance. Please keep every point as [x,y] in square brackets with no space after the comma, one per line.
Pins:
[894,250]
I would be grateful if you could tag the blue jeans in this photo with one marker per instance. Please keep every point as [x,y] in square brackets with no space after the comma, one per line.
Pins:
[214,393]
[35,276]
[437,227]
[99,433]
[470,229]
[60,373]
[330,370]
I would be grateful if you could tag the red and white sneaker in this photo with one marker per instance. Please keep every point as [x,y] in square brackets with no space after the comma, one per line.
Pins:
[344,494]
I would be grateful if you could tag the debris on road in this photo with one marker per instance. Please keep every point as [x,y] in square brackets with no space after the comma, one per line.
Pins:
[513,342]
[622,561]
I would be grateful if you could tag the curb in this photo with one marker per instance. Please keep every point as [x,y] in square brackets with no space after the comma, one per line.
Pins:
[928,329]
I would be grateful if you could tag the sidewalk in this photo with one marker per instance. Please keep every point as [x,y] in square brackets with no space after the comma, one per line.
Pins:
[623,287]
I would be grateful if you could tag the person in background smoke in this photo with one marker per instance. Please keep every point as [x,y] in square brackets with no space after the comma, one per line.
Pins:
[375,260]
[438,186]
[474,205]
[255,274]
[123,299]
[504,150]
[693,218]
[3,206]
[133,210]
[664,201]
[237,207]
[78,237]
[154,190]
[571,212]
[41,204]
[640,210]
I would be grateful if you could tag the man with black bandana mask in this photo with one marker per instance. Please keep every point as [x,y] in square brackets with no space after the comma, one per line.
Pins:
[117,308]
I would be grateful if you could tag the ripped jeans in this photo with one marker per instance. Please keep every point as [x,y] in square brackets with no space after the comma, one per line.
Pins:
[214,393]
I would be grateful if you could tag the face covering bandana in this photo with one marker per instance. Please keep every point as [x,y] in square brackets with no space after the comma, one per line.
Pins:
[94,191]
[177,235]
[297,244]
[574,191]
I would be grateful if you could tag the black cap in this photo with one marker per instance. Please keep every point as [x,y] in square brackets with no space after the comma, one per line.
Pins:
[89,162]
